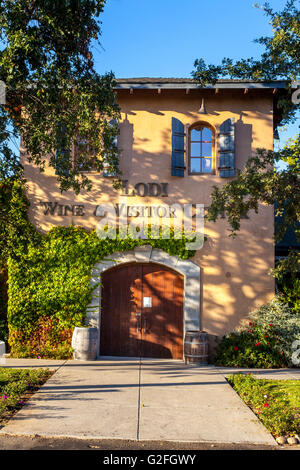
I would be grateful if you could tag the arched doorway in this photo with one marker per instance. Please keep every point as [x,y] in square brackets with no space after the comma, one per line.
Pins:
[142,311]
[146,254]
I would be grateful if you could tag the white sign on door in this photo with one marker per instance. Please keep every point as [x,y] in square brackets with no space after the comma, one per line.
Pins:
[147,302]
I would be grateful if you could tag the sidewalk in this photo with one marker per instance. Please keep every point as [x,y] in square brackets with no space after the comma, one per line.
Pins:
[118,399]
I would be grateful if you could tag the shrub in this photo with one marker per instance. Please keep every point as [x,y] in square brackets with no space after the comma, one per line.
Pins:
[286,324]
[45,339]
[291,293]
[267,340]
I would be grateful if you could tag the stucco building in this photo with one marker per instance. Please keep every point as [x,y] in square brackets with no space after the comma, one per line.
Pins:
[177,140]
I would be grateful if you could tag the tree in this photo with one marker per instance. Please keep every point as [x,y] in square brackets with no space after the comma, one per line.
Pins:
[259,182]
[281,59]
[54,98]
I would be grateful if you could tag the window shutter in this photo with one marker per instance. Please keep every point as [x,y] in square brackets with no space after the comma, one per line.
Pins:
[62,154]
[178,146]
[106,165]
[227,149]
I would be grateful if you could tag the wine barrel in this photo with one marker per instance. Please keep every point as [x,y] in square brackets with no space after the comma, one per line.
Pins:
[196,347]
[84,343]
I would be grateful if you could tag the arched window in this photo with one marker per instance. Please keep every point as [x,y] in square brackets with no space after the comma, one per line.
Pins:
[201,149]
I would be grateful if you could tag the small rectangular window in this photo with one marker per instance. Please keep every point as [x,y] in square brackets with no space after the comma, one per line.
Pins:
[84,156]
[201,150]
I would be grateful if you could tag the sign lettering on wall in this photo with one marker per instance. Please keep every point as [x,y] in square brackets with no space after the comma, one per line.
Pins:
[54,208]
[78,210]
[63,210]
[145,189]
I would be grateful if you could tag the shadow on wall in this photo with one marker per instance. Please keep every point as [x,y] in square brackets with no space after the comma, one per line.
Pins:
[125,143]
[243,140]
[234,272]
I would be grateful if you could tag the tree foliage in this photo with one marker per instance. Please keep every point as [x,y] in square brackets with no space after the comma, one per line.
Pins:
[281,59]
[259,182]
[55,98]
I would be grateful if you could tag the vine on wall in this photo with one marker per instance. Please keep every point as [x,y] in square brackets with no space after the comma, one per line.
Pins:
[49,281]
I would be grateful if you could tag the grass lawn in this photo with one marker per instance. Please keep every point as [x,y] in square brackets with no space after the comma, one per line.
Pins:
[275,402]
[17,386]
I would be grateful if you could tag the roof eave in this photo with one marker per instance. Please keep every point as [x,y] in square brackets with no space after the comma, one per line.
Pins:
[127,84]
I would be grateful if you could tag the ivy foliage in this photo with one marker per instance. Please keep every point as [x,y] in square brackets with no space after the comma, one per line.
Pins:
[49,277]
[3,305]
[49,287]
[15,229]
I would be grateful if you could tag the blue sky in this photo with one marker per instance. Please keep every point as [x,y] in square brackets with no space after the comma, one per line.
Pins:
[162,38]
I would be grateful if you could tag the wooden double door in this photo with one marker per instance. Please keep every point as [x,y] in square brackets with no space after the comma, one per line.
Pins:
[142,312]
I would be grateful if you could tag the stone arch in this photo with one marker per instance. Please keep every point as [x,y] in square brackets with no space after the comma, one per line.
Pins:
[147,254]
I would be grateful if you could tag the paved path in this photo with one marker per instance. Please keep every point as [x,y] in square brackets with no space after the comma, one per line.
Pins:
[123,399]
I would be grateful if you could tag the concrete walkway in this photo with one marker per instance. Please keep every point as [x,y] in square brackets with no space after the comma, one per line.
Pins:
[123,399]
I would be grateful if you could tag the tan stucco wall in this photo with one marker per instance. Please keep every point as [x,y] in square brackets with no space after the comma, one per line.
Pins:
[234,272]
